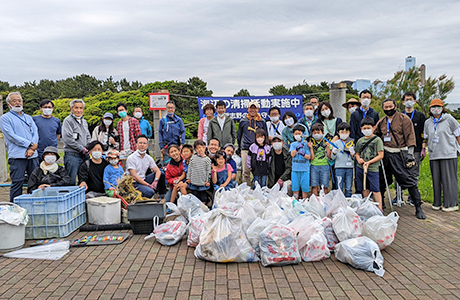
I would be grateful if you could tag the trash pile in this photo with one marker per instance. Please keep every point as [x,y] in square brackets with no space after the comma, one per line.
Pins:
[267,225]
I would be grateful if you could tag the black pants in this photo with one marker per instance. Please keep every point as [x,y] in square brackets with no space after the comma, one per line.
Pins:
[18,168]
[393,166]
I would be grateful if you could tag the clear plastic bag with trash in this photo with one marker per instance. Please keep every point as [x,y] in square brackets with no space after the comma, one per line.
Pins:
[381,230]
[13,214]
[368,209]
[278,246]
[169,233]
[347,224]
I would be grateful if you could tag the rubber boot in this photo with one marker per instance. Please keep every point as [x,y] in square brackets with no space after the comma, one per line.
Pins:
[419,213]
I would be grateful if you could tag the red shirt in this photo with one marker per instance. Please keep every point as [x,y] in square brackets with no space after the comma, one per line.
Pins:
[134,132]
[173,172]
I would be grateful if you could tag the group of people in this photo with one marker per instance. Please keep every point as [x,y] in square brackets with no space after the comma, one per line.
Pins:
[304,154]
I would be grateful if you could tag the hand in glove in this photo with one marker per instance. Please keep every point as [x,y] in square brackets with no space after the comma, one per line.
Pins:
[153,185]
[422,154]
[352,150]
[335,150]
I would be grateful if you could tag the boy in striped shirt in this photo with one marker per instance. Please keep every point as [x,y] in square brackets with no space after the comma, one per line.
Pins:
[199,172]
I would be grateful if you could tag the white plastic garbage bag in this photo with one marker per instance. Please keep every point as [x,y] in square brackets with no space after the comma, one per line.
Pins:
[190,205]
[316,248]
[347,225]
[278,246]
[331,238]
[247,215]
[195,227]
[49,252]
[368,209]
[273,210]
[223,240]
[355,201]
[314,206]
[175,214]
[334,202]
[381,230]
[13,214]
[169,233]
[361,253]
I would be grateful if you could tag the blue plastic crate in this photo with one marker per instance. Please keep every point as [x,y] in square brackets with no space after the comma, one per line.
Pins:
[54,212]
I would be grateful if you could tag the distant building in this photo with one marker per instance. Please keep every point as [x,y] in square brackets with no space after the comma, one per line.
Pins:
[410,63]
[361,84]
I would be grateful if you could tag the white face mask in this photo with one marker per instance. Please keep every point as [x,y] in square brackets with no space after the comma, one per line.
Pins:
[326,113]
[315,106]
[409,103]
[142,152]
[274,119]
[221,115]
[260,141]
[344,136]
[138,115]
[50,159]
[96,154]
[352,109]
[113,162]
[308,113]
[278,146]
[298,137]
[107,122]
[317,136]
[289,122]
[47,111]
[367,132]
[365,102]
[16,109]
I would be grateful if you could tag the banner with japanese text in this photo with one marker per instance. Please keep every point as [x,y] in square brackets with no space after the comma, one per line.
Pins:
[237,107]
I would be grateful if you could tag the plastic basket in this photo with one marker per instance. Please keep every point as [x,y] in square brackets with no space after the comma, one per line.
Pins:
[54,212]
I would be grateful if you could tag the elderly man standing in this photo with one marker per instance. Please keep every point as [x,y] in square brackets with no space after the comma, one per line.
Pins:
[76,136]
[247,135]
[137,165]
[398,135]
[21,136]
[171,130]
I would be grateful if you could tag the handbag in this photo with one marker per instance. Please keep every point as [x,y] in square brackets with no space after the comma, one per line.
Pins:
[404,153]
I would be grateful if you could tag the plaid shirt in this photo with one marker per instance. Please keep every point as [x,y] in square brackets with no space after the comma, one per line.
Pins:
[134,132]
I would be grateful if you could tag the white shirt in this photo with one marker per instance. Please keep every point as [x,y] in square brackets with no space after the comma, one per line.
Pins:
[272,128]
[141,165]
[221,122]
[126,144]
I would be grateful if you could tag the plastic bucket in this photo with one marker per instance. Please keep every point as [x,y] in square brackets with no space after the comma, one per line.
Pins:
[11,237]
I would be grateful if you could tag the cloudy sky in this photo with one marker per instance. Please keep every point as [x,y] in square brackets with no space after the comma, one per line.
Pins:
[229,44]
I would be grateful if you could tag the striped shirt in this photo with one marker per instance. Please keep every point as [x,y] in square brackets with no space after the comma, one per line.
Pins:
[199,170]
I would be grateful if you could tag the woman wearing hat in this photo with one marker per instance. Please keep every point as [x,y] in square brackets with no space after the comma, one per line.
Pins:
[106,133]
[352,105]
[209,111]
[442,133]
[48,173]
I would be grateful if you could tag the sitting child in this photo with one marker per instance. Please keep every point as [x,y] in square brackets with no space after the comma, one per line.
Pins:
[112,172]
[187,152]
[199,171]
[175,174]
[229,150]
[222,172]
[259,158]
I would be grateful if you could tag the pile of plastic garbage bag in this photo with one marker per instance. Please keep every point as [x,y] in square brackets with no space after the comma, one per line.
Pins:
[267,225]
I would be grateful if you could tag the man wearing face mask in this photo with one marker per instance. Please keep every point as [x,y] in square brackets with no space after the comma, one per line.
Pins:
[247,135]
[221,127]
[128,128]
[49,127]
[91,172]
[146,128]
[398,135]
[315,102]
[310,117]
[21,137]
[275,126]
[75,135]
[280,165]
[359,114]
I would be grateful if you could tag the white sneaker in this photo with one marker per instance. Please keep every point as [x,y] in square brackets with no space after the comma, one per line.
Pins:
[436,207]
[452,208]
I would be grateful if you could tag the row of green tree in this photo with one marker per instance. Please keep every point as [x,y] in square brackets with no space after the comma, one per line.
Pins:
[102,96]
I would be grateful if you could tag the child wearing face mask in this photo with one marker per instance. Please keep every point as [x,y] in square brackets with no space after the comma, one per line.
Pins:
[259,158]
[112,173]
[369,152]
[302,153]
[343,156]
[319,174]
[221,172]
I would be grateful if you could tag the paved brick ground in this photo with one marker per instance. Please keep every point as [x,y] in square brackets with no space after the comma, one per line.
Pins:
[422,263]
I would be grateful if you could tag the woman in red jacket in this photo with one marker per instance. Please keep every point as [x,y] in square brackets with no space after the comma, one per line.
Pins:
[175,175]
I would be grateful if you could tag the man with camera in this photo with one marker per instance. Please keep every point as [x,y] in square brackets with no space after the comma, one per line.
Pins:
[398,135]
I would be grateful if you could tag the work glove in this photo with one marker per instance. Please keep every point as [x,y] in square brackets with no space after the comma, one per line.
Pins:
[335,150]
[153,185]
[422,154]
[352,150]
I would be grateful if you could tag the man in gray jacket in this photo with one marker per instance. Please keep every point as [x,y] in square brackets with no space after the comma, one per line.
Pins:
[222,127]
[75,135]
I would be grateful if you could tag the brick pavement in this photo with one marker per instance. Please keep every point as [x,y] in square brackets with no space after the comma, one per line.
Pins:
[422,263]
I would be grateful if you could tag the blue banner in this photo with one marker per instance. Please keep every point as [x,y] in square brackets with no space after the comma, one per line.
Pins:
[237,107]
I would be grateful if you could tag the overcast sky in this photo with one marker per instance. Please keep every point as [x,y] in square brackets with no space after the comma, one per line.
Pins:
[229,44]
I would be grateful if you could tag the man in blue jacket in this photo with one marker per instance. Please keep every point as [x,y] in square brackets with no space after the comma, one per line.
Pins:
[247,135]
[171,130]
[21,137]
[358,115]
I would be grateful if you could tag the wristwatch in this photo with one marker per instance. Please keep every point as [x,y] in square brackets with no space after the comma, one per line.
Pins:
[31,144]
